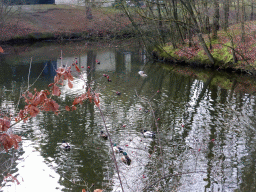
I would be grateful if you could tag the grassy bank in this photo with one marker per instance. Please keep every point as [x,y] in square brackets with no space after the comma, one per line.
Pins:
[32,23]
[221,50]
[58,22]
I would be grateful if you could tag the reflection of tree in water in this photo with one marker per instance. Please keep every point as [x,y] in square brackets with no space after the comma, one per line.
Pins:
[5,71]
[248,170]
[88,158]
[8,160]
[206,116]
[201,139]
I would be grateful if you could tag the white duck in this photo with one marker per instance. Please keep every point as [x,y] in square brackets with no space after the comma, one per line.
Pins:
[65,145]
[148,133]
[142,73]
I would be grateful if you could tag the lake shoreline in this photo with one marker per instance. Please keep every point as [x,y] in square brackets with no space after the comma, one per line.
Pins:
[65,22]
[35,24]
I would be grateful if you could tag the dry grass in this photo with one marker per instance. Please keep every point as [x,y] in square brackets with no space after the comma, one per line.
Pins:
[62,19]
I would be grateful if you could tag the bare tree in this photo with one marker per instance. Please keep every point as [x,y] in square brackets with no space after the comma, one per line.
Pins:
[226,14]
[243,20]
[237,7]
[216,18]
[252,10]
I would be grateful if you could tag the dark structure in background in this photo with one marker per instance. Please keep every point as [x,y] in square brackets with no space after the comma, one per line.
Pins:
[29,2]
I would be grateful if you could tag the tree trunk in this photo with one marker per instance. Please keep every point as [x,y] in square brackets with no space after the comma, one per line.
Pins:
[205,17]
[88,10]
[237,11]
[190,10]
[226,14]
[216,19]
[89,13]
[252,11]
[160,23]
[206,50]
[175,16]
[242,21]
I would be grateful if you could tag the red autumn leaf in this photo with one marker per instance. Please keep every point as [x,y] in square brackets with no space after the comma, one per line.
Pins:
[29,94]
[1,50]
[70,85]
[51,105]
[57,78]
[16,139]
[9,140]
[6,141]
[33,111]
[77,68]
[4,124]
[80,99]
[67,108]
[21,114]
[56,90]
[97,99]
[74,108]
[51,84]
[76,101]
[70,76]
[83,190]
[39,98]
[98,190]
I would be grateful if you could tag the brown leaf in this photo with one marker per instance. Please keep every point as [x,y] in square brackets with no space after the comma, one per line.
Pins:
[74,108]
[97,99]
[51,105]
[80,99]
[1,50]
[67,108]
[70,85]
[56,90]
[33,111]
[98,190]
[77,68]
[4,124]
[70,77]
[51,84]
[9,140]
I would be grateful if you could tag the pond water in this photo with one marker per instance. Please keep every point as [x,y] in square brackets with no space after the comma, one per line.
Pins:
[204,123]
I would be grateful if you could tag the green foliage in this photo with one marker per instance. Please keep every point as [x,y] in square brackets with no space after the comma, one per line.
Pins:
[202,57]
[38,36]
[168,52]
[223,82]
[223,55]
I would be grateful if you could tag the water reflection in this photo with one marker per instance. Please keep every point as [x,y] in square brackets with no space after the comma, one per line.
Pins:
[206,132]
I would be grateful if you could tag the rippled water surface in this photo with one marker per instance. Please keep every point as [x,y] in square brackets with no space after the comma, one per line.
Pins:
[204,123]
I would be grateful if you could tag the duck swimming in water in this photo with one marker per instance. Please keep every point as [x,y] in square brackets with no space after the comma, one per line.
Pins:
[141,73]
[65,145]
[148,133]
[103,135]
[117,149]
[126,159]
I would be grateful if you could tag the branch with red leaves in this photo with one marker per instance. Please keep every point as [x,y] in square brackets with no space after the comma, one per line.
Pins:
[42,101]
